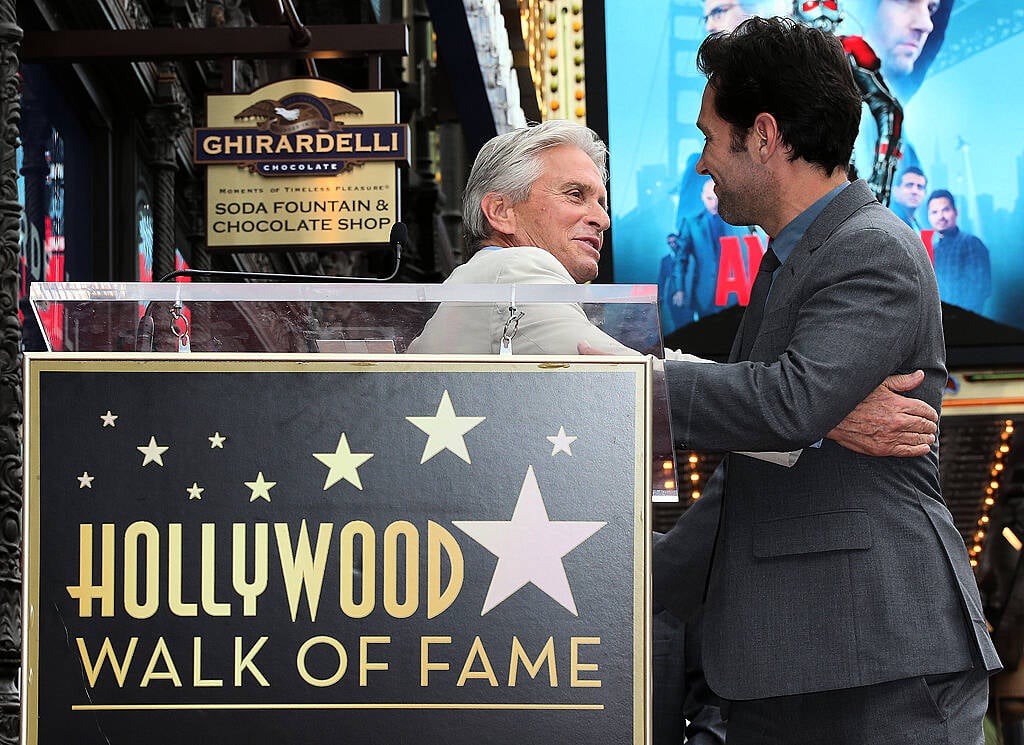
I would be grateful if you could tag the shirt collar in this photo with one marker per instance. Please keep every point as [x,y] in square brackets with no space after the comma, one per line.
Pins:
[784,243]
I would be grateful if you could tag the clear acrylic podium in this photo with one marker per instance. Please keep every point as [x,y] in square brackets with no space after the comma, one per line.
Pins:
[328,317]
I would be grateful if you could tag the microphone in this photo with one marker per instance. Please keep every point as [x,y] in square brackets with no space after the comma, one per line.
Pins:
[144,333]
[398,239]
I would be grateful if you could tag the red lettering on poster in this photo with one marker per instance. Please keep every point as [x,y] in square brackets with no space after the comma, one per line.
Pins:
[736,273]
[926,238]
[53,317]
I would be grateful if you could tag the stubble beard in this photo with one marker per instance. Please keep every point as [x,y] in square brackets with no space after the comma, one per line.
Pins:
[733,209]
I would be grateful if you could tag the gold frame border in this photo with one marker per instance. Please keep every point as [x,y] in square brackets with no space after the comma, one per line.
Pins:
[39,362]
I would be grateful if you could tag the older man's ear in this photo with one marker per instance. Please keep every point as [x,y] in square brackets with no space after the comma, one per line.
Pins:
[497,208]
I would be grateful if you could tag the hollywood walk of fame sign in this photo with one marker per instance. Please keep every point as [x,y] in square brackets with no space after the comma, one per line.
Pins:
[315,550]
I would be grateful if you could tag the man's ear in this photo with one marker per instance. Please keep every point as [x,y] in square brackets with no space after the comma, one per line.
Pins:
[766,135]
[497,208]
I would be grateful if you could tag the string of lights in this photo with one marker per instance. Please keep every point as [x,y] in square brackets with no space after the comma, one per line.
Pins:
[1001,453]
[553,30]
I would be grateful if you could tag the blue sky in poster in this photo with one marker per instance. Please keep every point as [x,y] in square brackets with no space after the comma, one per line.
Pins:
[970,95]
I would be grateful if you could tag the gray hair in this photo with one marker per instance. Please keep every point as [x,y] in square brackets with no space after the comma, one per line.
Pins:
[509,164]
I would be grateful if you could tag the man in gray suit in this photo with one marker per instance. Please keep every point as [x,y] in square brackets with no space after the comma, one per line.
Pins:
[839,604]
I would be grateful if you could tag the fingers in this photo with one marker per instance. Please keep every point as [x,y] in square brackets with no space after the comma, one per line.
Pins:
[892,424]
[909,451]
[918,423]
[917,408]
[923,439]
[893,385]
[904,382]
[908,428]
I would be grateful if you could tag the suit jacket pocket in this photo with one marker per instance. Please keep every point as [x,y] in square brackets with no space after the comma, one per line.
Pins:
[840,530]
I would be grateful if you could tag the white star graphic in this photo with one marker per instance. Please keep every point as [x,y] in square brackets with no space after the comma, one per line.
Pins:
[85,480]
[260,488]
[561,442]
[108,419]
[343,464]
[153,452]
[196,491]
[529,548]
[446,431]
[216,441]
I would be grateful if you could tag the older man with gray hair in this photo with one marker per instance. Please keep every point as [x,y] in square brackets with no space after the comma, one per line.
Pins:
[535,210]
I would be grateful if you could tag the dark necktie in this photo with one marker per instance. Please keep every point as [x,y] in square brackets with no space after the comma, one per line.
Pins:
[758,295]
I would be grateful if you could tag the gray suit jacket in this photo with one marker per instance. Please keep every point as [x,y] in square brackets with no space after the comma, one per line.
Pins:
[844,570]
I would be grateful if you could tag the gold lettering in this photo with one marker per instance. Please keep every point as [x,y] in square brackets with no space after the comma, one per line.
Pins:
[344,142]
[412,576]
[246,663]
[160,652]
[148,533]
[120,667]
[249,590]
[576,667]
[234,145]
[263,144]
[302,571]
[425,664]
[438,540]
[212,145]
[304,143]
[364,664]
[174,563]
[324,142]
[197,673]
[477,650]
[208,564]
[518,653]
[342,661]
[85,591]
[360,147]
[367,573]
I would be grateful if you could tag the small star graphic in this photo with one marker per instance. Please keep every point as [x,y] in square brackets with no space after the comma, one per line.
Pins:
[196,491]
[529,548]
[446,430]
[260,488]
[561,442]
[85,480]
[216,441]
[343,464]
[153,452]
[108,419]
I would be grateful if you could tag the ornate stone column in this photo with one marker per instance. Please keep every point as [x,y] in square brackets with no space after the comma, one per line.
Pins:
[10,380]
[166,120]
[195,200]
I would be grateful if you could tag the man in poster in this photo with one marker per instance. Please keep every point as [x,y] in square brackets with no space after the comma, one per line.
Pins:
[695,261]
[908,194]
[962,266]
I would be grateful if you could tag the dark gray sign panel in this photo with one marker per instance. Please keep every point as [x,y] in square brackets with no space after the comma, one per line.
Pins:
[313,551]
